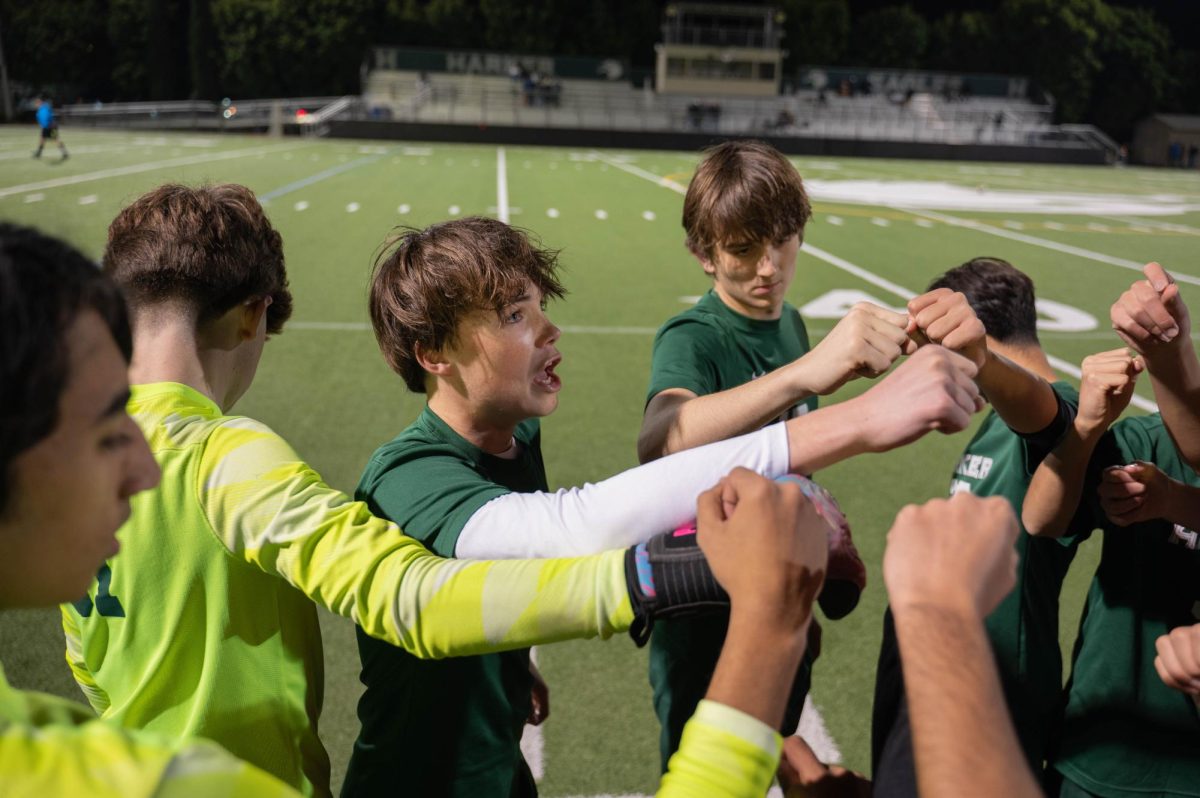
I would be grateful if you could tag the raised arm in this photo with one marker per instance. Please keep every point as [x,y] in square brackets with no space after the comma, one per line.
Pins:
[933,390]
[767,547]
[1024,401]
[947,565]
[1152,318]
[864,343]
[1054,492]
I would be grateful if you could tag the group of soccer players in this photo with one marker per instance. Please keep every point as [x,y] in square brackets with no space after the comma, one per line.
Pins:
[200,626]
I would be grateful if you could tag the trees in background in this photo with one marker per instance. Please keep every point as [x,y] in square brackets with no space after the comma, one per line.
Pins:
[1105,63]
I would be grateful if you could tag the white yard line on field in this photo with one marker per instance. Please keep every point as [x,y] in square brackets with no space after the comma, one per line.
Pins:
[150,166]
[1044,243]
[501,186]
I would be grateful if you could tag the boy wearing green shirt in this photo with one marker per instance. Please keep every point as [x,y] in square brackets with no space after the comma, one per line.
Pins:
[1030,412]
[1129,729]
[458,311]
[739,360]
[70,459]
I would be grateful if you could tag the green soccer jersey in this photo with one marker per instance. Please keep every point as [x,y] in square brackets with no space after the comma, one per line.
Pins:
[707,349]
[53,747]
[451,727]
[204,624]
[1024,628]
[1126,733]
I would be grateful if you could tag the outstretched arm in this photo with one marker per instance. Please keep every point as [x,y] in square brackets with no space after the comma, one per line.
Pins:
[1024,401]
[767,547]
[947,565]
[271,509]
[864,343]
[1152,318]
[933,390]
[1057,485]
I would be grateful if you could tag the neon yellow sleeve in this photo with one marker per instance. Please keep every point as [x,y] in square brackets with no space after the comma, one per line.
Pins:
[78,665]
[54,752]
[272,509]
[724,753]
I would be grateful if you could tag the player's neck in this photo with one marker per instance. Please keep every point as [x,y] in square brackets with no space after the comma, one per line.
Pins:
[493,437]
[172,352]
[1029,357]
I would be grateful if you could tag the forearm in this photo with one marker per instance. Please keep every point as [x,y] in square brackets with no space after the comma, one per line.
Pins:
[756,669]
[433,607]
[1022,399]
[1057,485]
[1176,380]
[963,739]
[673,424]
[618,512]
[723,753]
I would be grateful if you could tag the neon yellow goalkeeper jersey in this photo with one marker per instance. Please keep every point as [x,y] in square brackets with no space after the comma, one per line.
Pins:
[204,623]
[51,747]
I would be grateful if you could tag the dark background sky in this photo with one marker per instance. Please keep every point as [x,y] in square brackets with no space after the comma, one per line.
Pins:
[1181,16]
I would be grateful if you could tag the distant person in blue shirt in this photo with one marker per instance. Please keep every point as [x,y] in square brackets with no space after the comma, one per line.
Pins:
[48,127]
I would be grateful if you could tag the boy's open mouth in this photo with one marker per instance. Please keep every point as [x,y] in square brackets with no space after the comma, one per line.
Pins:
[546,378]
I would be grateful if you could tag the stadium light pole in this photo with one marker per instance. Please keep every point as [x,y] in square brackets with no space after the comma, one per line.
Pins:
[8,109]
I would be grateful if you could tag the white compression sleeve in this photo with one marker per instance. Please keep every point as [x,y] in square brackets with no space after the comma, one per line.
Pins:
[621,511]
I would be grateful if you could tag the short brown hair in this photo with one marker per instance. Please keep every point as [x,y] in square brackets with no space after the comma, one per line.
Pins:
[426,281]
[210,247]
[743,189]
[1001,296]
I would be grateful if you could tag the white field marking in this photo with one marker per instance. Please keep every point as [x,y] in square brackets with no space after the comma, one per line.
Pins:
[8,156]
[1170,226]
[649,216]
[38,197]
[642,173]
[403,209]
[418,151]
[187,160]
[1054,226]
[366,149]
[601,214]
[835,220]
[352,207]
[1011,225]
[195,142]
[880,222]
[922,223]
[501,186]
[141,141]
[690,300]
[302,205]
[1137,228]
[1045,243]
[533,741]
[552,213]
[812,729]
[909,194]
[454,210]
[1099,228]
[89,199]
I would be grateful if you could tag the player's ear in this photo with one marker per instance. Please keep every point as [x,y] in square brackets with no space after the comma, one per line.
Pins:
[252,313]
[434,361]
[704,260]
